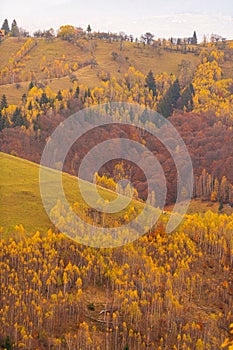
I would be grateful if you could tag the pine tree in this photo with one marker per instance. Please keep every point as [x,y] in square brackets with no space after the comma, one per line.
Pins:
[30,106]
[89,29]
[174,92]
[4,123]
[187,98]
[165,107]
[17,118]
[14,29]
[77,91]
[169,102]
[150,81]
[4,103]
[59,96]
[194,40]
[220,208]
[44,99]
[5,26]
[31,85]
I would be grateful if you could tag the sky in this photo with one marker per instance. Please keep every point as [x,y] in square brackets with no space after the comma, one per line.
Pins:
[163,18]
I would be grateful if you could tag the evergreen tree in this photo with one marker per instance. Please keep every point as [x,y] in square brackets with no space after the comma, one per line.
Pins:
[14,29]
[30,106]
[89,29]
[77,91]
[44,99]
[5,26]
[187,98]
[59,96]
[4,123]
[174,92]
[31,85]
[220,208]
[169,102]
[194,40]
[165,107]
[18,119]
[150,81]
[89,92]
[4,103]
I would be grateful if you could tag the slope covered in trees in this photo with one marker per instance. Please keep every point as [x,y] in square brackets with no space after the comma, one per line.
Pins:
[162,292]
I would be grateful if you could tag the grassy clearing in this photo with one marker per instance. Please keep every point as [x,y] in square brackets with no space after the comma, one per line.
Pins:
[20,200]
[8,47]
[13,93]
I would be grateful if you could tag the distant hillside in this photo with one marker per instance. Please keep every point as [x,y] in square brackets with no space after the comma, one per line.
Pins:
[94,59]
[142,58]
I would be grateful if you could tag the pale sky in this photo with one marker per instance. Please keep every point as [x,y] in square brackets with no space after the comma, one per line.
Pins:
[164,18]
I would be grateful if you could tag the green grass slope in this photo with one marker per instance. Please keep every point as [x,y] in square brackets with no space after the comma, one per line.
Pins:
[20,199]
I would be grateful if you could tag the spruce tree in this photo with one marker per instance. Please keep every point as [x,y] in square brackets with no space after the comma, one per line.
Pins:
[174,93]
[31,85]
[59,96]
[165,107]
[77,92]
[14,29]
[150,81]
[5,26]
[3,103]
[4,123]
[187,98]
[169,102]
[89,28]
[44,99]
[18,119]
[194,41]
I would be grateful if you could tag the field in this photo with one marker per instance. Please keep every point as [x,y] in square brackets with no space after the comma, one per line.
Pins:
[142,58]
[20,199]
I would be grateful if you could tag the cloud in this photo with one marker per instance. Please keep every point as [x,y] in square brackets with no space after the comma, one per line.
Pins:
[178,25]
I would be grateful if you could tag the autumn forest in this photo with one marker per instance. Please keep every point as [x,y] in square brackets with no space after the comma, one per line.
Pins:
[163,290]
